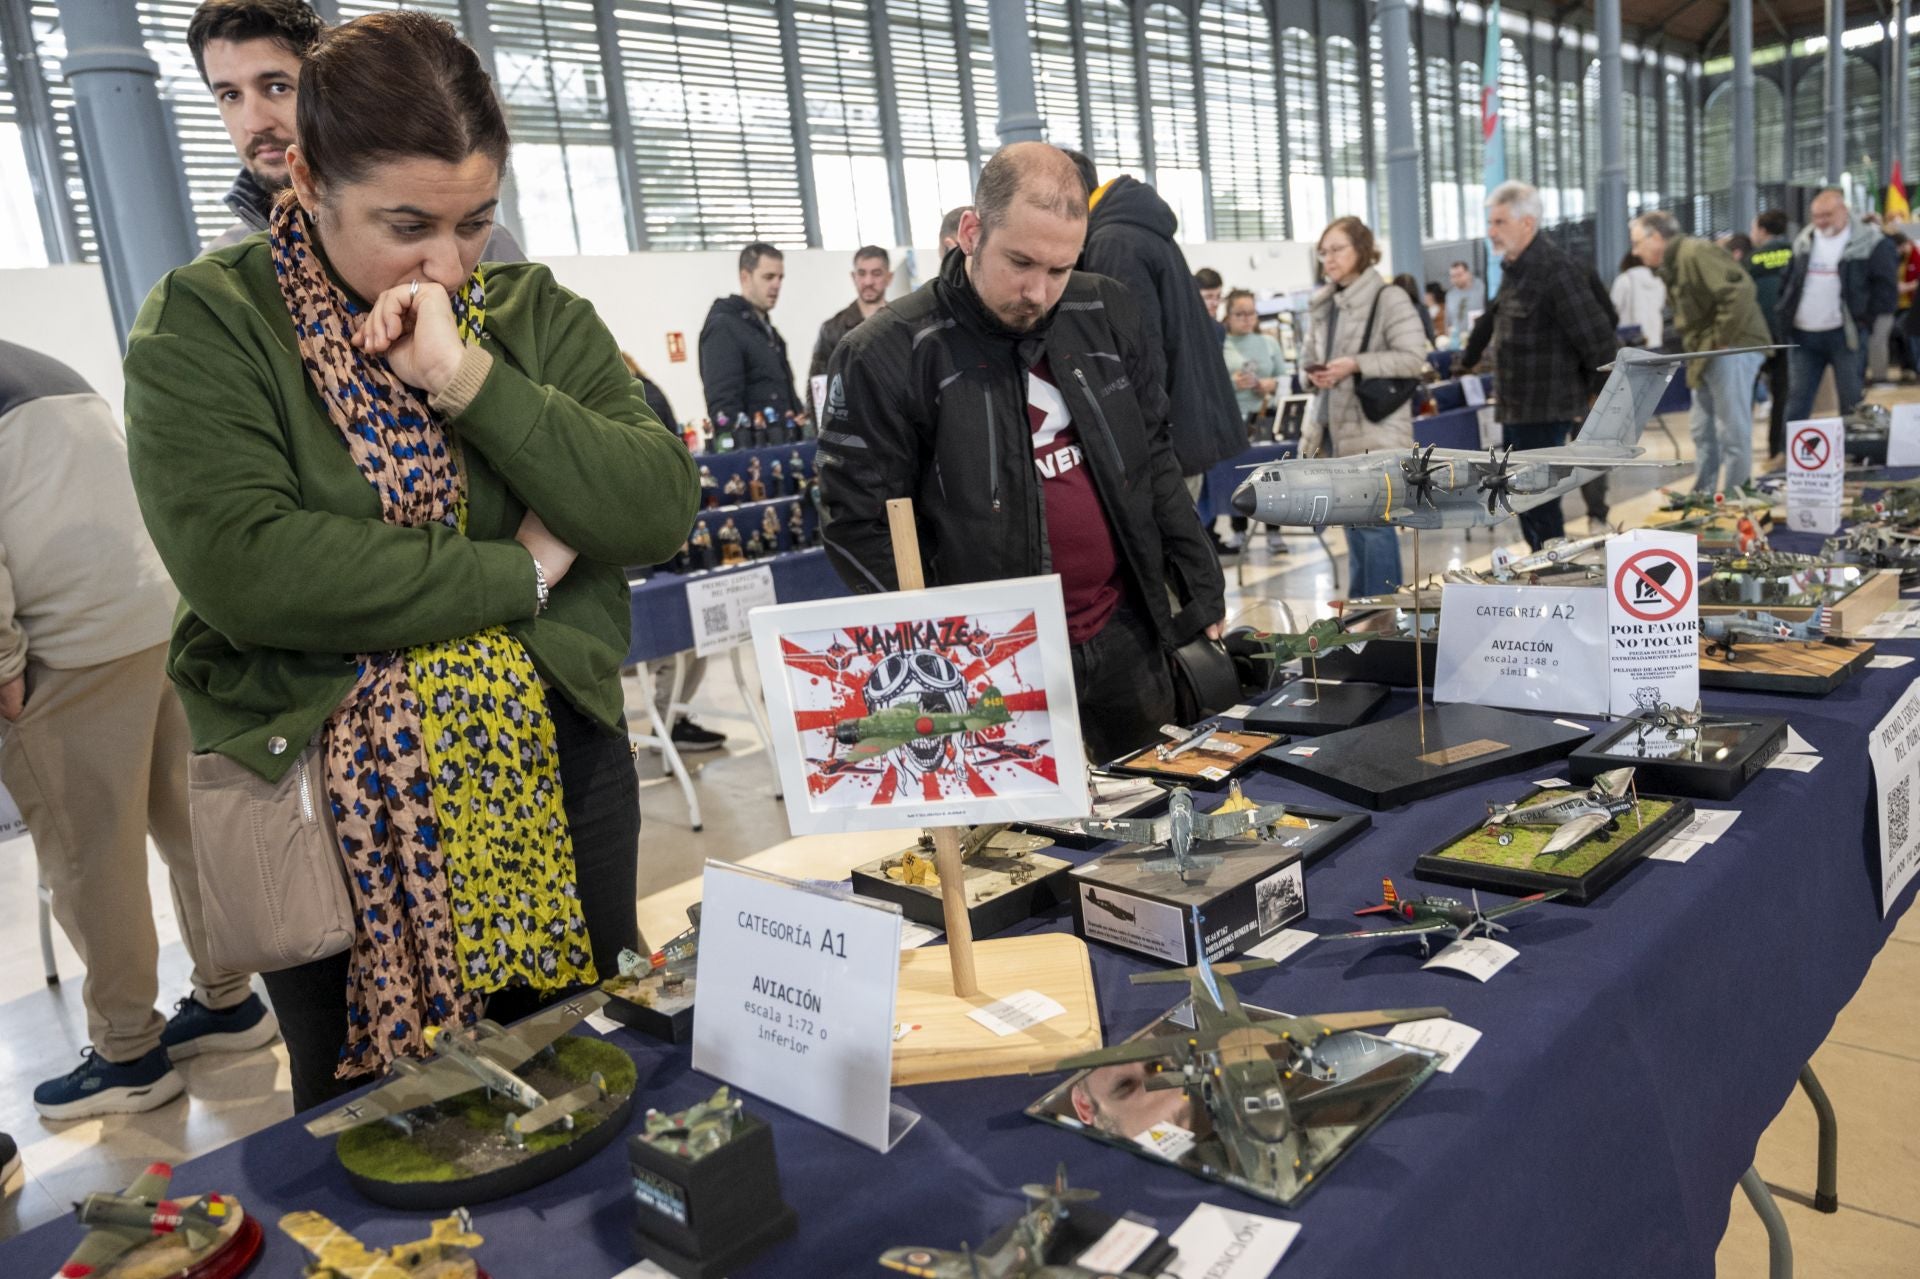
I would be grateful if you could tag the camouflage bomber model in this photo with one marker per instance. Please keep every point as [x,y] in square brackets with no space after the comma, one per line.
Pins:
[700,1129]
[1461,488]
[338,1255]
[1022,1256]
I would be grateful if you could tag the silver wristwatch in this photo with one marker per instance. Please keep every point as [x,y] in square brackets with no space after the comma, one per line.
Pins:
[540,587]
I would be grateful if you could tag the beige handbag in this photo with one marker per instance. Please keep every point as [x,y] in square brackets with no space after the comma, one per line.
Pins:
[273,886]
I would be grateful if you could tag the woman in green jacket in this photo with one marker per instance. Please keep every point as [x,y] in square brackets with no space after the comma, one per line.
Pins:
[397,490]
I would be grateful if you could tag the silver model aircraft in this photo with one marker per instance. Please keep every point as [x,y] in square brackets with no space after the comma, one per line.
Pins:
[1724,631]
[117,1224]
[1462,488]
[1180,741]
[1551,555]
[484,1055]
[1181,825]
[1574,814]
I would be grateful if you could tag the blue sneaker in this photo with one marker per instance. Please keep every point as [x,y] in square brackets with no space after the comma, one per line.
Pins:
[101,1087]
[9,1159]
[195,1028]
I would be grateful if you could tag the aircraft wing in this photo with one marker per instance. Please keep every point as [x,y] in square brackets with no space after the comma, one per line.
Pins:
[536,1032]
[1079,1272]
[1239,822]
[1130,830]
[929,1263]
[1337,1022]
[319,1236]
[1574,456]
[1522,904]
[152,1184]
[1571,833]
[1405,930]
[868,747]
[101,1248]
[436,1080]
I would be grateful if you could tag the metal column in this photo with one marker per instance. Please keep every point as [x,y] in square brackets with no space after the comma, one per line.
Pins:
[1200,122]
[1013,72]
[797,118]
[479,32]
[890,140]
[1403,149]
[329,11]
[1745,204]
[1836,105]
[127,153]
[614,65]
[1898,130]
[34,110]
[969,106]
[1610,217]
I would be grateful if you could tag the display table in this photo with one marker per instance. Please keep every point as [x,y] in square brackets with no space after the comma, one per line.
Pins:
[662,626]
[1633,1054]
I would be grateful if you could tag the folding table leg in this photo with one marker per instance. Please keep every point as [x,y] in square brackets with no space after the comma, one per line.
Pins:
[1826,1189]
[757,715]
[1779,1244]
[662,736]
[47,959]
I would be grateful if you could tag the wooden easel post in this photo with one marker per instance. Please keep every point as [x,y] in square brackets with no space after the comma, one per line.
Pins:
[946,839]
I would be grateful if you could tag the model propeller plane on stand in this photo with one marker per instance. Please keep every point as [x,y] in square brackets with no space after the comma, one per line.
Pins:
[119,1223]
[1722,633]
[443,1254]
[1023,1255]
[1574,815]
[1461,488]
[1428,915]
[1181,825]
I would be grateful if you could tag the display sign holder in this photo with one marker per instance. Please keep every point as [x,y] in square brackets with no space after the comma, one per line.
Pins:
[941,986]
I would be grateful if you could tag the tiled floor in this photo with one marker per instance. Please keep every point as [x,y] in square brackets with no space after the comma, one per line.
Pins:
[1870,1065]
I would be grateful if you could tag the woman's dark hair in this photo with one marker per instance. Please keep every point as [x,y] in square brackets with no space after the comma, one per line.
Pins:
[1409,286]
[1437,292]
[1629,262]
[1366,253]
[394,86]
[1236,295]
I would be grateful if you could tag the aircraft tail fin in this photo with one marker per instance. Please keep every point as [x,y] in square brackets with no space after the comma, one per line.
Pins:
[1389,901]
[1635,382]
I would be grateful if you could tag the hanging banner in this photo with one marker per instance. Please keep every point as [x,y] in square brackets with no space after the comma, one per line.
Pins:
[1816,474]
[1653,620]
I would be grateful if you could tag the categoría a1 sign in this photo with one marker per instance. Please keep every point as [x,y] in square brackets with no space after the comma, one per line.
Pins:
[1653,620]
[797,989]
[1531,648]
[1816,474]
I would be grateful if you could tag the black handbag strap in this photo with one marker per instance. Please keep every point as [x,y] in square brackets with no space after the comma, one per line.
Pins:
[1366,342]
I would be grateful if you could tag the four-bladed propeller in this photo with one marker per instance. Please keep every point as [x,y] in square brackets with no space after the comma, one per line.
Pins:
[1418,468]
[1496,479]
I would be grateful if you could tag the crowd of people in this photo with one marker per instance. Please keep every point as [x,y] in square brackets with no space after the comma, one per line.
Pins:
[358,558]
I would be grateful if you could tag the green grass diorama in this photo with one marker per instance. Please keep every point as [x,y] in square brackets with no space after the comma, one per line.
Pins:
[1483,846]
[466,1136]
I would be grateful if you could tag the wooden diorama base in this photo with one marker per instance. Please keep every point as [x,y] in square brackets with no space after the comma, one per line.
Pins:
[1877,593]
[949,1044]
[1790,666]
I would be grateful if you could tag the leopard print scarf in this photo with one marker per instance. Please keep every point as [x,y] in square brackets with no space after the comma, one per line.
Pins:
[440,763]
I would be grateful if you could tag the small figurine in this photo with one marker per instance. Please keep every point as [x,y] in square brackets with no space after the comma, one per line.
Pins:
[690,435]
[735,489]
[777,482]
[796,474]
[709,489]
[769,424]
[756,549]
[722,435]
[790,429]
[797,527]
[756,487]
[729,539]
[700,548]
[770,529]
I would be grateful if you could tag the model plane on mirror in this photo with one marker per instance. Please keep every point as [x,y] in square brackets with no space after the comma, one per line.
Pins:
[1573,815]
[1181,825]
[1461,488]
[1675,723]
[1724,632]
[484,1055]
[1023,1255]
[1428,915]
[336,1254]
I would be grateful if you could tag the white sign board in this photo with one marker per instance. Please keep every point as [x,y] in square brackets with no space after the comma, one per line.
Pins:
[941,707]
[796,998]
[718,607]
[1653,620]
[11,823]
[1529,648]
[1894,748]
[1903,435]
[1816,474]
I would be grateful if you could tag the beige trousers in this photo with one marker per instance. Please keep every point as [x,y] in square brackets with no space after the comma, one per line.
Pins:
[97,761]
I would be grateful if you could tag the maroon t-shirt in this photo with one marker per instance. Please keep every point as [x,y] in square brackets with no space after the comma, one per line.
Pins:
[1084,552]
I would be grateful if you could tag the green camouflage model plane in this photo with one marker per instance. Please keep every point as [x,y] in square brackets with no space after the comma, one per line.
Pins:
[700,1129]
[876,734]
[1022,1256]
[1424,916]
[1318,638]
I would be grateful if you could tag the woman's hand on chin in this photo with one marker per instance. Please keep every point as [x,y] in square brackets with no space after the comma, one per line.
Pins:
[412,325]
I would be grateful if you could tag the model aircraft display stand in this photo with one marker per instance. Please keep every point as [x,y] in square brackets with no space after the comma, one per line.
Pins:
[1085,1225]
[994,902]
[941,986]
[159,1257]
[1201,768]
[669,1018]
[1387,660]
[1733,756]
[1384,764]
[1308,707]
[1119,902]
[704,1218]
[1068,834]
[1636,838]
[1877,592]
[1810,667]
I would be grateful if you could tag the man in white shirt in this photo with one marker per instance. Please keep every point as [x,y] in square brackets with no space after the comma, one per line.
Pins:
[1465,300]
[1844,274]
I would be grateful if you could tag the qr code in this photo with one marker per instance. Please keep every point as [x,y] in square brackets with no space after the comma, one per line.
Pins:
[1899,810]
[715,618]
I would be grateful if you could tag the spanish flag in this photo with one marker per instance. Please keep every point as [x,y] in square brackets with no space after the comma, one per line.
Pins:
[1896,209]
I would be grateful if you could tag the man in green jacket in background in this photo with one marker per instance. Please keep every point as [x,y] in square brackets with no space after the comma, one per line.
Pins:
[1714,309]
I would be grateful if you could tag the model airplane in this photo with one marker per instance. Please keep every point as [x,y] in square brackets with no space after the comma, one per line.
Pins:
[484,1055]
[117,1224]
[700,1129]
[336,1254]
[1723,632]
[894,727]
[1710,506]
[1112,908]
[1676,723]
[1181,740]
[1180,826]
[1462,488]
[1022,1256]
[1319,637]
[673,963]
[1235,1064]
[1551,555]
[1428,915]
[1573,815]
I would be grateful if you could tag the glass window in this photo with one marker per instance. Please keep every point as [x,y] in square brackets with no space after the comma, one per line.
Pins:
[1176,119]
[1112,86]
[838,77]
[933,125]
[1347,160]
[1243,120]
[1306,163]
[1472,185]
[1442,155]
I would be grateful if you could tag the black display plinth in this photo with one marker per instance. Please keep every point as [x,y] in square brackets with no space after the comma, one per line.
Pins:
[1312,706]
[1726,756]
[668,1018]
[997,897]
[1084,1227]
[704,1218]
[1387,660]
[1386,764]
[1252,890]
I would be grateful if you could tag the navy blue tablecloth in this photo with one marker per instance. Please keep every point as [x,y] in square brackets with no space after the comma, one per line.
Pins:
[1632,1056]
[662,626]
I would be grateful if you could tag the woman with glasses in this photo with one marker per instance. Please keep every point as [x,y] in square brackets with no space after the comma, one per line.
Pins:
[1359,328]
